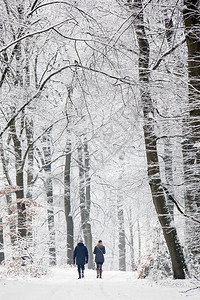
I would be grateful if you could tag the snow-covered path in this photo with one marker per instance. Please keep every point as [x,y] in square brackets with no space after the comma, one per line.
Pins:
[64,285]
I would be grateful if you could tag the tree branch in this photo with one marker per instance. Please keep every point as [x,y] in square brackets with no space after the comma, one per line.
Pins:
[32,34]
[121,79]
[167,53]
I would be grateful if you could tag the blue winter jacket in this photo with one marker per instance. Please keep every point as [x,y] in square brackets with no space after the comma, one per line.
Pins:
[99,252]
[80,254]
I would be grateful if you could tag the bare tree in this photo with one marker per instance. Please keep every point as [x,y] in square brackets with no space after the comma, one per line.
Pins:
[164,216]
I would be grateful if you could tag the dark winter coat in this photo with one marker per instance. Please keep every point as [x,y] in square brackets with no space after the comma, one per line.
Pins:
[80,254]
[99,252]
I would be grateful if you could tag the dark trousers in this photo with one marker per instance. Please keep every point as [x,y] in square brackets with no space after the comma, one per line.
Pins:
[99,270]
[80,267]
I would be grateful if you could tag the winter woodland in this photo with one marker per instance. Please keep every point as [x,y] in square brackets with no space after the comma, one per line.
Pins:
[100,135]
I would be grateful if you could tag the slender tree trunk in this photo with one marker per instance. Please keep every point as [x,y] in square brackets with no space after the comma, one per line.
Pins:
[2,256]
[21,208]
[49,193]
[168,154]
[85,201]
[169,173]
[67,205]
[122,241]
[82,191]
[139,242]
[131,241]
[165,219]
[29,136]
[88,203]
[11,211]
[29,196]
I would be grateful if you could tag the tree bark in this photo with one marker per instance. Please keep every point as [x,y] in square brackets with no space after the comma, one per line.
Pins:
[191,16]
[2,256]
[67,205]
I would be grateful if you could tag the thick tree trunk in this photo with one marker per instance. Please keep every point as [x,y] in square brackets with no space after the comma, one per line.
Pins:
[67,205]
[191,15]
[165,219]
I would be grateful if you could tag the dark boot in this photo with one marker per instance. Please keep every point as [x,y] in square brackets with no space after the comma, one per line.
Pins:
[82,274]
[79,275]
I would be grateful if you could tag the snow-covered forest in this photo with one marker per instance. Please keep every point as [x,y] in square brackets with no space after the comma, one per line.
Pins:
[100,135]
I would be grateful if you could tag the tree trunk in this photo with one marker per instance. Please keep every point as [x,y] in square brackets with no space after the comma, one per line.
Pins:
[168,161]
[49,193]
[133,266]
[169,173]
[21,208]
[122,241]
[165,219]
[85,201]
[88,203]
[67,205]
[29,136]
[139,242]
[29,196]
[12,221]
[82,191]
[2,256]
[191,16]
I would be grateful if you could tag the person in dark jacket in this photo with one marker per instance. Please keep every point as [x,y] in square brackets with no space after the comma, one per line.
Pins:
[80,257]
[99,252]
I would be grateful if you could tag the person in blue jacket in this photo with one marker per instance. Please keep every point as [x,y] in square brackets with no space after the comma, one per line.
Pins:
[99,251]
[80,257]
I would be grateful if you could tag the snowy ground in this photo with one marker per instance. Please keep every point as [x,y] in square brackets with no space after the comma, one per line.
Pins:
[63,284]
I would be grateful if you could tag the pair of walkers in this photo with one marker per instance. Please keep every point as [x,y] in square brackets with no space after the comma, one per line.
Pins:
[81,258]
